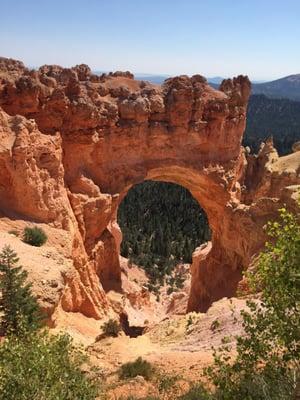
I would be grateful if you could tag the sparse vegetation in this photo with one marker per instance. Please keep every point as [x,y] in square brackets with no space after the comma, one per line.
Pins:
[189,322]
[111,328]
[34,236]
[175,282]
[215,325]
[139,367]
[170,290]
[167,383]
[267,362]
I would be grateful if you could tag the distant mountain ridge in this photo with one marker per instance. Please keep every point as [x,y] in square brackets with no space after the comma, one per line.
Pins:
[287,87]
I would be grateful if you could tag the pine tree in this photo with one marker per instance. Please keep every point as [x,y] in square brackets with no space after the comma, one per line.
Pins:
[125,249]
[19,309]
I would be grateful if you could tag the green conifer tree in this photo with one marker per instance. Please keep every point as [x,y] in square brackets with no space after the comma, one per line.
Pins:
[19,309]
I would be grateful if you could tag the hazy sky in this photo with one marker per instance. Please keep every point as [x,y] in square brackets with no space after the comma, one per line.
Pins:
[260,38]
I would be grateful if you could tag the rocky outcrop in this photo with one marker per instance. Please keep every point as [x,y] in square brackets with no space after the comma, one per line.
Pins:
[32,188]
[73,143]
[268,183]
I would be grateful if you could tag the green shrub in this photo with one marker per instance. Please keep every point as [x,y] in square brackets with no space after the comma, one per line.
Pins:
[139,367]
[19,309]
[43,367]
[34,236]
[215,325]
[258,385]
[170,290]
[197,392]
[166,383]
[111,328]
[189,322]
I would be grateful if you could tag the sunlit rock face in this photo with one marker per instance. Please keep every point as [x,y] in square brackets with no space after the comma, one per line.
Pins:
[73,143]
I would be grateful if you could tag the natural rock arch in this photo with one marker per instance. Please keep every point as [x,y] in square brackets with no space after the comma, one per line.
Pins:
[84,140]
[218,279]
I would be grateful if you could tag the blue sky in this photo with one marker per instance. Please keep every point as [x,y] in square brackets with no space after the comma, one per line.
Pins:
[211,37]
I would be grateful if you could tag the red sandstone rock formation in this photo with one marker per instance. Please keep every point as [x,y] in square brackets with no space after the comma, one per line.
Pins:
[73,143]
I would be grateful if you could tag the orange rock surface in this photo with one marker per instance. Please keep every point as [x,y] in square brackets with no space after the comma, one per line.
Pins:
[73,143]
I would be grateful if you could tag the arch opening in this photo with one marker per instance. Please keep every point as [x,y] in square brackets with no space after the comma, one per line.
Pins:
[161,225]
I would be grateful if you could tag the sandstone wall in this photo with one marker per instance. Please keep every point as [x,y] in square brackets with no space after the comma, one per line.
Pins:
[73,143]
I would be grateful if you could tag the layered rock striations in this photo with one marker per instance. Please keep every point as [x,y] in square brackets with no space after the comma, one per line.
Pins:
[73,144]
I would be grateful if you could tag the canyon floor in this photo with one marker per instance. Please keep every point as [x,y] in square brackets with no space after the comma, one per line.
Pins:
[178,345]
[179,348]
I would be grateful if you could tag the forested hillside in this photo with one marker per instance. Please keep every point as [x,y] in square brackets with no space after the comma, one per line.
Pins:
[287,87]
[162,224]
[267,117]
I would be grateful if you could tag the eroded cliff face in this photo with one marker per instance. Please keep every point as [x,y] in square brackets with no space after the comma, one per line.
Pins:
[73,143]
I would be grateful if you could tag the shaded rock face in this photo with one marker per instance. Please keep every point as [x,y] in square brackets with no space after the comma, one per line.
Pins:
[73,143]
